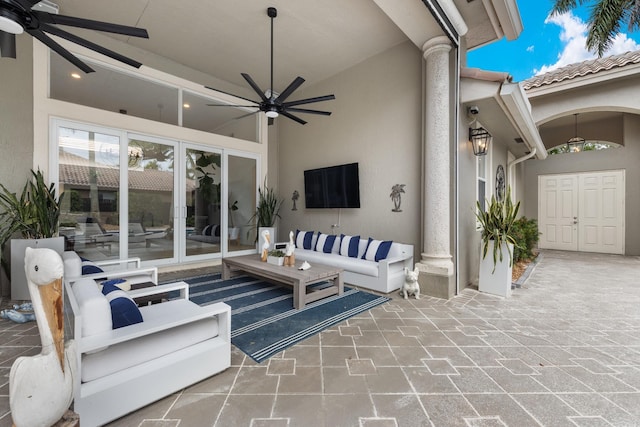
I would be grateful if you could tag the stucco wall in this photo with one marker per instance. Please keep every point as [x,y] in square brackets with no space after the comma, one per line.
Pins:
[627,158]
[16,116]
[376,122]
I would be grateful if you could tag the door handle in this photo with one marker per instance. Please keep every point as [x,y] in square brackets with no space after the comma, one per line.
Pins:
[575,219]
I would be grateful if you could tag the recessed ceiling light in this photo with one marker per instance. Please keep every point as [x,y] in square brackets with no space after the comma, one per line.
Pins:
[185,105]
[76,76]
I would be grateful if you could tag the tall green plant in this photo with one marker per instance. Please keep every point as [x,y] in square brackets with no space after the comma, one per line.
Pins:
[497,223]
[268,208]
[34,214]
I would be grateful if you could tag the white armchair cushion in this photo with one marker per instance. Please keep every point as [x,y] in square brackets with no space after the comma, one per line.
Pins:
[72,264]
[95,310]
[135,352]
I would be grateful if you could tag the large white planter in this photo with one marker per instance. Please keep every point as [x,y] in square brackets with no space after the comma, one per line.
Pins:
[498,281]
[19,290]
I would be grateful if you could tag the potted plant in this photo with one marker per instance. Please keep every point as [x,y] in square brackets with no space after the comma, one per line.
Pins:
[267,210]
[498,239]
[275,257]
[34,215]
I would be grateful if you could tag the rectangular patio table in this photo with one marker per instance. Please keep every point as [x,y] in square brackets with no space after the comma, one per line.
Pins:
[298,279]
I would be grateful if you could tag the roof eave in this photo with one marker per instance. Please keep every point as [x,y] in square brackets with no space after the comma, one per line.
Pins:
[518,109]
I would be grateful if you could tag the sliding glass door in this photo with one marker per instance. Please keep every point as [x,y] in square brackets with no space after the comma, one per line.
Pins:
[242,187]
[202,212]
[164,201]
[152,197]
[89,176]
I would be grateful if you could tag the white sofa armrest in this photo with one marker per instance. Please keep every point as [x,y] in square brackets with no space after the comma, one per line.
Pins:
[183,287]
[391,262]
[150,272]
[121,263]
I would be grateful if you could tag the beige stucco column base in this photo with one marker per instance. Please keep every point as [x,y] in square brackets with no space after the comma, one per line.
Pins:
[436,277]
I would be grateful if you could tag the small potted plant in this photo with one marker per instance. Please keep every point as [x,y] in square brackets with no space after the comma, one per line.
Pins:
[498,239]
[275,257]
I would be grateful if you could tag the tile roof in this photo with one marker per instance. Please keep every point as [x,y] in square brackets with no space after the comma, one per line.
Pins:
[75,171]
[582,69]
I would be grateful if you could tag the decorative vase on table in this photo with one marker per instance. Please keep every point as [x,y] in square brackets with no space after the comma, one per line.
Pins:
[498,240]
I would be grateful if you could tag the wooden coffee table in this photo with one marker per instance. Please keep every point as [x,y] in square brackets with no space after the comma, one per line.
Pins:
[299,279]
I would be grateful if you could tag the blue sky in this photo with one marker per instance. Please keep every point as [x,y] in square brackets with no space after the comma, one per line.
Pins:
[545,43]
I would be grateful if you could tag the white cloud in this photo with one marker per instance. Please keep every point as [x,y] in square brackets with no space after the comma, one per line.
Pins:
[531,48]
[573,36]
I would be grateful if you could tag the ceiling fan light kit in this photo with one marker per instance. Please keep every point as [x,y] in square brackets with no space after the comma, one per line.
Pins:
[18,16]
[274,104]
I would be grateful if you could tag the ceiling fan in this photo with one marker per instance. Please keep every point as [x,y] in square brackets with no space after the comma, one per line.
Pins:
[17,16]
[272,103]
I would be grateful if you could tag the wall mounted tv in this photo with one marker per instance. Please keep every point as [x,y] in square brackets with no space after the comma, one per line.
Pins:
[332,187]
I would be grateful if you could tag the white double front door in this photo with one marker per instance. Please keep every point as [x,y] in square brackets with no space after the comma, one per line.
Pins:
[582,211]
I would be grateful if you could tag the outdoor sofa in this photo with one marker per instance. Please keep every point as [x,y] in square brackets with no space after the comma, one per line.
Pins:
[367,262]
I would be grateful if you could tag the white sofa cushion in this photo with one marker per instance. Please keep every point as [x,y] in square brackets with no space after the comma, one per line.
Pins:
[131,353]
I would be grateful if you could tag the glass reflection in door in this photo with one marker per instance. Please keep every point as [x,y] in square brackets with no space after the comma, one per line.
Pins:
[89,176]
[203,204]
[151,199]
[242,202]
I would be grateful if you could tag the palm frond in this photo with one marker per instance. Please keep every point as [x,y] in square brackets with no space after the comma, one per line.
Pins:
[604,24]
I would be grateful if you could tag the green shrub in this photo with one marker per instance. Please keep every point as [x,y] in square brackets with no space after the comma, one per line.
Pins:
[526,235]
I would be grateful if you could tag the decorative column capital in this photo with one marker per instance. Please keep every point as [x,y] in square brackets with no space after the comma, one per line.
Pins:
[436,44]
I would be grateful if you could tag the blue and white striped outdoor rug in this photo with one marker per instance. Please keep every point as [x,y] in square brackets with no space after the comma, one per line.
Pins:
[263,320]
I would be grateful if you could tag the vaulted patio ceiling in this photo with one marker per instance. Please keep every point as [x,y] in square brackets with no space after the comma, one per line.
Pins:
[313,39]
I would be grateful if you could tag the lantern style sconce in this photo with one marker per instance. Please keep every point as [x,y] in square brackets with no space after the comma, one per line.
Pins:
[479,138]
[575,144]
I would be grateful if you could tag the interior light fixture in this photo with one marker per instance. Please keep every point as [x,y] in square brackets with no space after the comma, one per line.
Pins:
[575,144]
[480,138]
[186,105]
[10,25]
[76,75]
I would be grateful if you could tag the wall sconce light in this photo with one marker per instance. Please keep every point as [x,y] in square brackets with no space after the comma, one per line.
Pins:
[479,138]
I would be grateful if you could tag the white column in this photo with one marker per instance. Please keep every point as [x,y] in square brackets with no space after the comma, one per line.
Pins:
[436,260]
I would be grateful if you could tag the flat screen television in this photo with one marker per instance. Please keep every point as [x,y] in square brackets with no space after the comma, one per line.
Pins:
[332,187]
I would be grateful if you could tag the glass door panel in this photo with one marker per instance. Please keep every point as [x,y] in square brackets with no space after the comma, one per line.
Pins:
[203,177]
[89,175]
[242,202]
[151,198]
